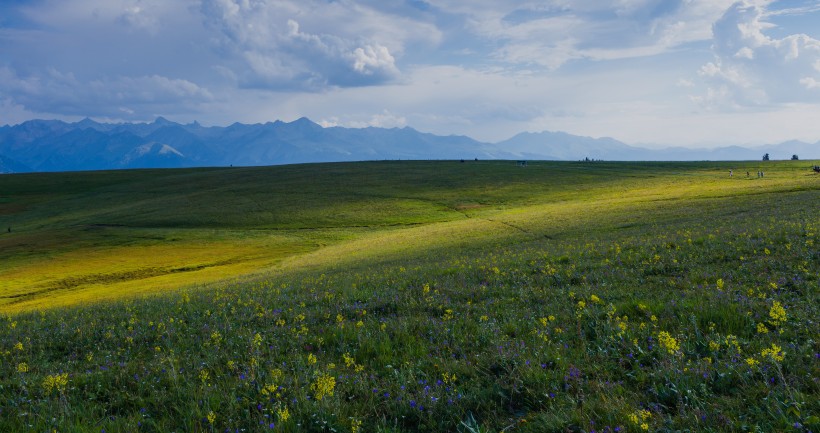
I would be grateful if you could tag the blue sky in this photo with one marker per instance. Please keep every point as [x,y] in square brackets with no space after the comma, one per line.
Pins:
[695,73]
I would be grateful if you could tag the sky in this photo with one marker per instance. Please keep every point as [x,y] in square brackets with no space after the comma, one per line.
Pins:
[695,73]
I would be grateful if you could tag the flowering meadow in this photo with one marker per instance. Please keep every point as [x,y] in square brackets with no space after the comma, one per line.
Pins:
[674,309]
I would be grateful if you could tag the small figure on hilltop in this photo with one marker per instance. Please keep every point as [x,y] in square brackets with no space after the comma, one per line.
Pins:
[731,173]
[747,174]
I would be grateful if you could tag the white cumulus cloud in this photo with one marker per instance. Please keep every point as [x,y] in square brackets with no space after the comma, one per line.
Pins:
[311,45]
[752,68]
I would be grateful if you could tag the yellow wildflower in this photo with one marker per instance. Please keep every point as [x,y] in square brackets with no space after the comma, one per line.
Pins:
[622,325]
[257,340]
[777,314]
[355,425]
[55,382]
[762,329]
[216,338]
[204,375]
[323,386]
[22,367]
[731,341]
[277,374]
[311,359]
[211,417]
[283,413]
[668,342]
[640,418]
[774,352]
[349,361]
[269,389]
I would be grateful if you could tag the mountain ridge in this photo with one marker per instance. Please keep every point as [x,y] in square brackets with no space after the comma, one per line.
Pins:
[54,145]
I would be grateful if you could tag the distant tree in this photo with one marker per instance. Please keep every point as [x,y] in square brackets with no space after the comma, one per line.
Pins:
[795,158]
[766,157]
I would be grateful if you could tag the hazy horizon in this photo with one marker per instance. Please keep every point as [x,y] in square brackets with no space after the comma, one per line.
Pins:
[650,73]
[648,146]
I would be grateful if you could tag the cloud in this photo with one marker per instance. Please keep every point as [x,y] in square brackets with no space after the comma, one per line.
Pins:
[311,45]
[385,119]
[551,33]
[146,15]
[58,92]
[751,68]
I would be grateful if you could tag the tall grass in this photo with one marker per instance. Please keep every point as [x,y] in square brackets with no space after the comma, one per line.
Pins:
[646,301]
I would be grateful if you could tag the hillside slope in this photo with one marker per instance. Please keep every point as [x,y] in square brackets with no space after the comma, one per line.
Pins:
[76,237]
[412,296]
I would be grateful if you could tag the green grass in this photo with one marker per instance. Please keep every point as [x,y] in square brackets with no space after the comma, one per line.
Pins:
[438,296]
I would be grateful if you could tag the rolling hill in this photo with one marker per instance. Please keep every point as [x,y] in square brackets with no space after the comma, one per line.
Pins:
[409,296]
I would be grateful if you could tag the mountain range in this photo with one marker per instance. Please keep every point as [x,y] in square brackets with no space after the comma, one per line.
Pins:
[53,145]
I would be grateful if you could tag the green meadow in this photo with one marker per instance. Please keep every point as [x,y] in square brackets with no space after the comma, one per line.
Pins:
[404,296]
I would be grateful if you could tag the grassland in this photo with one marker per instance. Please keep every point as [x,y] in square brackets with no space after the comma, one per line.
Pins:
[405,296]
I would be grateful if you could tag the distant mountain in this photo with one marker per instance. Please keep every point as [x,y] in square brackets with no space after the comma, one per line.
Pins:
[52,145]
[154,155]
[8,165]
[563,146]
[88,145]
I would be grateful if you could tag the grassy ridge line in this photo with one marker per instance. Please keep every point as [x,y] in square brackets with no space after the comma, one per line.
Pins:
[568,197]
[670,201]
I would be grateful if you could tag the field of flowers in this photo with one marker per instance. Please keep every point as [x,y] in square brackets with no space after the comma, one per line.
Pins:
[700,315]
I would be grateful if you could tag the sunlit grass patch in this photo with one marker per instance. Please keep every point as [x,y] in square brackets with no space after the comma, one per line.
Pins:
[107,273]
